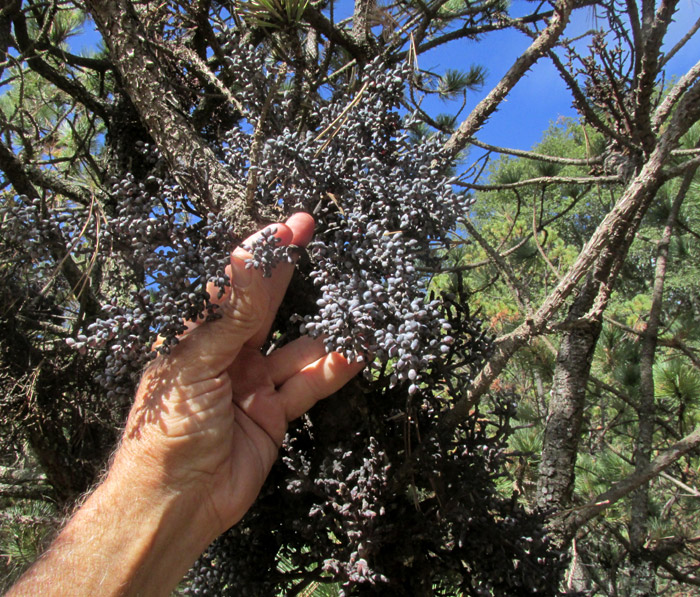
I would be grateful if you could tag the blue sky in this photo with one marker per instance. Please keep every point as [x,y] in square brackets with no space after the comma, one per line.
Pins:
[540,97]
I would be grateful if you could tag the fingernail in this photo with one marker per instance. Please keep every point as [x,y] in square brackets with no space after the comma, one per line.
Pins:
[242,276]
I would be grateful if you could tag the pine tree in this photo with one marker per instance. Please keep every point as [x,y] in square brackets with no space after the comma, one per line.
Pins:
[129,174]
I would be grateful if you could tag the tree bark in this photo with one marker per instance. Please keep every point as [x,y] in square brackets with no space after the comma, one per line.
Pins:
[146,81]
[603,244]
[481,113]
[565,412]
[643,571]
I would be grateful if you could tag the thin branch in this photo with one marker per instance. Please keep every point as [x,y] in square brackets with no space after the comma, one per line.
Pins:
[470,266]
[680,346]
[666,106]
[518,245]
[576,518]
[531,155]
[474,31]
[540,249]
[544,42]
[543,180]
[583,106]
[518,290]
[691,490]
[73,88]
[677,152]
[97,64]
[682,168]
[684,40]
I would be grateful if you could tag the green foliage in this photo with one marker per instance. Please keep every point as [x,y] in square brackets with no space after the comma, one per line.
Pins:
[564,216]
[455,82]
[26,528]
[272,14]
[310,587]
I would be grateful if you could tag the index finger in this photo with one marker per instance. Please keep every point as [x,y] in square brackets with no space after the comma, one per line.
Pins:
[297,230]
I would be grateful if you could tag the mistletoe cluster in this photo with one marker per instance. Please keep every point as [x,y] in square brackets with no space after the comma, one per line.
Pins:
[385,208]
[355,516]
[366,494]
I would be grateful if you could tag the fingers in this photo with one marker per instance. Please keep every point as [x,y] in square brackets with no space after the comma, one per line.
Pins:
[315,382]
[248,307]
[284,362]
[297,230]
[210,348]
[302,227]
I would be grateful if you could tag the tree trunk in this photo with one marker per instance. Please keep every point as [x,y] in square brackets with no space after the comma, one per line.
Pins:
[642,568]
[565,412]
[146,80]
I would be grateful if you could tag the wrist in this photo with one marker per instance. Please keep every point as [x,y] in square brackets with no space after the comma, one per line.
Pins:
[132,536]
[162,529]
[180,502]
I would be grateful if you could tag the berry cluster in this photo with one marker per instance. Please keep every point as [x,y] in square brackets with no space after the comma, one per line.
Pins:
[266,252]
[384,206]
[171,263]
[353,516]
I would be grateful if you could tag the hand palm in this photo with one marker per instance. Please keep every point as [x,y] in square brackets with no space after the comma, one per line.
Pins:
[222,407]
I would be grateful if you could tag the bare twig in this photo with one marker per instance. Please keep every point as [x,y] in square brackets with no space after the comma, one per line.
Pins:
[544,42]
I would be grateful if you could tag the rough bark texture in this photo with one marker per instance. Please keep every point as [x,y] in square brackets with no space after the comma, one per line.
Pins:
[653,30]
[565,412]
[603,245]
[146,81]
[545,41]
[643,572]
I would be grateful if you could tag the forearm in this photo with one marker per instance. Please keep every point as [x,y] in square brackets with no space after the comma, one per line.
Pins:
[132,536]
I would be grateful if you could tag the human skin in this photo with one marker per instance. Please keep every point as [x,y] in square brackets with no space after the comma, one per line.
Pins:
[205,428]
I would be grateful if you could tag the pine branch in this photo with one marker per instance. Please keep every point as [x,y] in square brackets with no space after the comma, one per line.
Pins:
[470,266]
[97,64]
[572,520]
[584,107]
[73,88]
[602,247]
[334,34]
[155,98]
[519,291]
[472,31]
[646,407]
[653,33]
[542,180]
[684,40]
[486,107]
[539,157]
[687,166]
[665,108]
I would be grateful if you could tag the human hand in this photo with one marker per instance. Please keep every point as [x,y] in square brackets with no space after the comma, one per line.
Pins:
[209,418]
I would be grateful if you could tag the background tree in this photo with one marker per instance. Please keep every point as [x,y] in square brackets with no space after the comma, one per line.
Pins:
[128,174]
[601,452]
